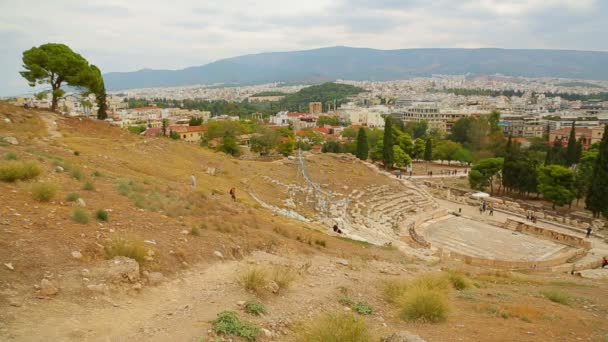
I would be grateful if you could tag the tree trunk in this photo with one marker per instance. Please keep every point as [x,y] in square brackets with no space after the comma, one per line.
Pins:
[54,102]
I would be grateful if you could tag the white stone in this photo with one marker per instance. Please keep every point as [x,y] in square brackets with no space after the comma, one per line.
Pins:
[9,266]
[76,255]
[81,202]
[218,254]
[11,140]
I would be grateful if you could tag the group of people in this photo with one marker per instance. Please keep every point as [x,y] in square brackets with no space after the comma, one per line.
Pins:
[530,216]
[486,207]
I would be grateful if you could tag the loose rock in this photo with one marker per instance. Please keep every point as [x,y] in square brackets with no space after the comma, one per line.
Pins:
[47,288]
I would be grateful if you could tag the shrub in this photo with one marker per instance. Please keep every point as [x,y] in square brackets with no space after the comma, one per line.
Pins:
[88,186]
[196,231]
[254,280]
[80,215]
[424,304]
[335,327]
[255,308]
[11,156]
[76,173]
[458,280]
[13,170]
[76,153]
[432,281]
[557,296]
[321,243]
[72,197]
[283,276]
[346,301]
[363,308]
[97,174]
[228,323]
[101,215]
[131,249]
[43,192]
[393,289]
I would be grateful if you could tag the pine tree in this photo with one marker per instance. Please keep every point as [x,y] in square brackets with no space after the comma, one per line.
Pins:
[362,144]
[428,150]
[387,147]
[596,196]
[571,150]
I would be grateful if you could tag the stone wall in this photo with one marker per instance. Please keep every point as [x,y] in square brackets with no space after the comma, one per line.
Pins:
[541,264]
[565,239]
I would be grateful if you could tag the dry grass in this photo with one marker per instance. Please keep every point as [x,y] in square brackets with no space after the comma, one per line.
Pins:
[81,216]
[334,327]
[43,192]
[13,170]
[393,289]
[254,280]
[458,280]
[135,250]
[424,304]
[557,296]
[283,277]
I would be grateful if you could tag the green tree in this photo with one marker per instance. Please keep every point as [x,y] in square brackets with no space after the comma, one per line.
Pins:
[596,194]
[583,174]
[463,155]
[447,150]
[402,159]
[387,152]
[328,120]
[571,148]
[55,64]
[230,146]
[485,173]
[195,121]
[556,154]
[428,150]
[460,130]
[556,184]
[418,150]
[362,145]
[286,146]
[332,146]
[264,141]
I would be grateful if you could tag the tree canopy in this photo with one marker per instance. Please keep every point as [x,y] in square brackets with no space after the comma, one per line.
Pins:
[57,64]
[596,195]
[556,183]
[362,144]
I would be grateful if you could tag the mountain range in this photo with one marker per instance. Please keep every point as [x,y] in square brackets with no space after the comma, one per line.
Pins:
[318,65]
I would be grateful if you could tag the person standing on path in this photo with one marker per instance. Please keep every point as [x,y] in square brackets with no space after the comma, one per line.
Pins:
[589,230]
[193,180]
[233,194]
[491,210]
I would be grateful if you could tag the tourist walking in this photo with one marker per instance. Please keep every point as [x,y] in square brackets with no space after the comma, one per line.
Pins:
[193,181]
[337,229]
[233,194]
[604,262]
[589,230]
[480,208]
[491,210]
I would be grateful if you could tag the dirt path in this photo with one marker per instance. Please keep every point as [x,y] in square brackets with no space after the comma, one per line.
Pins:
[49,119]
[181,309]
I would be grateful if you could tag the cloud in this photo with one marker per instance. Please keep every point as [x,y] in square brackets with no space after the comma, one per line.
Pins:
[122,35]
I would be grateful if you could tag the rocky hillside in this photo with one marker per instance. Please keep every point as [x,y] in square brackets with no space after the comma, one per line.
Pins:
[103,237]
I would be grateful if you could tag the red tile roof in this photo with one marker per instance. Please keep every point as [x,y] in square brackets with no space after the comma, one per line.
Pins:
[187,129]
[152,131]
[146,108]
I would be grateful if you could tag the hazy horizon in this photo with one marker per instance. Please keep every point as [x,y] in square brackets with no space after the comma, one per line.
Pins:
[120,37]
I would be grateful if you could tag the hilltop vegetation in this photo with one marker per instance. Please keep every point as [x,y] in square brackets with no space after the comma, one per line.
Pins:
[324,93]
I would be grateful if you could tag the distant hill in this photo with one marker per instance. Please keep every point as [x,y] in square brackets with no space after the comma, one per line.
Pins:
[326,92]
[321,65]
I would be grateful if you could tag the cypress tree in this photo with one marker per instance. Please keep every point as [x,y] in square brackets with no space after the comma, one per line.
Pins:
[579,151]
[596,196]
[362,145]
[571,150]
[387,148]
[428,150]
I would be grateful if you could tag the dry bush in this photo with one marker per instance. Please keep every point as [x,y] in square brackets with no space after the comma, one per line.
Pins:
[43,192]
[283,276]
[557,296]
[254,280]
[81,216]
[334,327]
[424,304]
[458,280]
[393,289]
[13,170]
[135,250]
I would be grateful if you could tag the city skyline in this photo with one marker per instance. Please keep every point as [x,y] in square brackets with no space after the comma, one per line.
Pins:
[133,36]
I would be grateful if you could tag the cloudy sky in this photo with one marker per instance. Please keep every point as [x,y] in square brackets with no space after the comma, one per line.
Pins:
[120,35]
